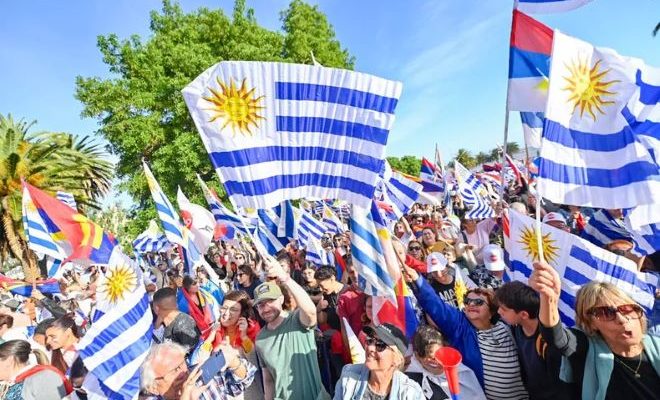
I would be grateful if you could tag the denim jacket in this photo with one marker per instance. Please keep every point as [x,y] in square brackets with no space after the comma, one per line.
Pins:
[353,384]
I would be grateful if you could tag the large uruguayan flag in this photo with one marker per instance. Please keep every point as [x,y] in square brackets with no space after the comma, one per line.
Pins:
[309,227]
[368,254]
[151,240]
[600,145]
[577,261]
[117,342]
[548,6]
[222,214]
[279,131]
[67,198]
[36,231]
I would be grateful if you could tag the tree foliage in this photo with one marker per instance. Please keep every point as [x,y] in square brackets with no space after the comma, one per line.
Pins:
[140,110]
[410,165]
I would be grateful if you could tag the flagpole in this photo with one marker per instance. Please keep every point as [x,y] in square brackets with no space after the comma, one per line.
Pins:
[506,123]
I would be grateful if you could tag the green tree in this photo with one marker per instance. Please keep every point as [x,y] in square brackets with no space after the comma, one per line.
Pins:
[51,162]
[481,157]
[410,165]
[140,109]
[114,219]
[465,158]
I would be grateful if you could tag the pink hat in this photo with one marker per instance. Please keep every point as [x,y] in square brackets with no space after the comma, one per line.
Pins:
[435,262]
[554,217]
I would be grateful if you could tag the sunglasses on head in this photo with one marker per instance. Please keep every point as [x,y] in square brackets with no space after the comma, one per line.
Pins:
[379,344]
[477,302]
[608,313]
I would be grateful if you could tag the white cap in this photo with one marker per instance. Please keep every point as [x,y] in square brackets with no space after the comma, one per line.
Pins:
[493,257]
[554,217]
[435,262]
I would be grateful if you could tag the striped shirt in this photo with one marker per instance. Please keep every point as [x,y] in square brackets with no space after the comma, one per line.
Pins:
[500,360]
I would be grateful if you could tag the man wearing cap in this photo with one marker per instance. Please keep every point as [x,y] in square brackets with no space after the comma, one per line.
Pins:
[490,274]
[380,376]
[556,220]
[286,345]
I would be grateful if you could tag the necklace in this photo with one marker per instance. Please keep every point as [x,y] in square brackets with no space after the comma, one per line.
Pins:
[634,371]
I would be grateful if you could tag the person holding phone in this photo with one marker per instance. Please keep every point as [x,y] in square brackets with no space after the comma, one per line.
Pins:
[165,374]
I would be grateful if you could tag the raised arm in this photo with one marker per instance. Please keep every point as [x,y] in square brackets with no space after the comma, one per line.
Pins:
[305,303]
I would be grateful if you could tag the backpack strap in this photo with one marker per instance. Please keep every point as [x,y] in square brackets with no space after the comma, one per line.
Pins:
[39,368]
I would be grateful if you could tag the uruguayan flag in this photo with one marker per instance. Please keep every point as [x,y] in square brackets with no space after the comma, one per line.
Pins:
[332,221]
[118,341]
[548,6]
[398,191]
[599,146]
[67,198]
[309,227]
[151,240]
[646,236]
[577,261]
[267,232]
[286,226]
[532,124]
[474,194]
[166,212]
[37,233]
[603,228]
[368,255]
[316,254]
[223,214]
[279,131]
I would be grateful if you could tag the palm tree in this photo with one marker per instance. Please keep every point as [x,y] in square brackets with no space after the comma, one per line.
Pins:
[464,157]
[51,162]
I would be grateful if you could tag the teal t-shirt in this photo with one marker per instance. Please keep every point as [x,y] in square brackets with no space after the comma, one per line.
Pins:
[289,353]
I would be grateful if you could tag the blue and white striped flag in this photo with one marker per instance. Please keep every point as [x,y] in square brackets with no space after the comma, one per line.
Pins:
[286,226]
[169,218]
[152,240]
[309,227]
[548,6]
[332,221]
[532,124]
[599,146]
[368,255]
[316,254]
[577,261]
[602,228]
[646,236]
[117,342]
[474,194]
[400,192]
[222,213]
[304,131]
[267,232]
[67,198]
[36,231]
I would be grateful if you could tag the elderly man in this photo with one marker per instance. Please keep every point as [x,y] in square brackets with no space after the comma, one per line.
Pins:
[165,375]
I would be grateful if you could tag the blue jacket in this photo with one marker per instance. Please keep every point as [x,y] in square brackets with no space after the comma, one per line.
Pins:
[454,326]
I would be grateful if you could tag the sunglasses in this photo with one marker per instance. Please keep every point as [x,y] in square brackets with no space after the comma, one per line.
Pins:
[379,344]
[240,274]
[477,302]
[415,248]
[608,313]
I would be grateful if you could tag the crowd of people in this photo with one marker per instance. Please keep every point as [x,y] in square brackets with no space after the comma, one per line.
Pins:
[282,323]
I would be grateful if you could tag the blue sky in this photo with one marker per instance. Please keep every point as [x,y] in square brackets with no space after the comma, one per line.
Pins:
[451,56]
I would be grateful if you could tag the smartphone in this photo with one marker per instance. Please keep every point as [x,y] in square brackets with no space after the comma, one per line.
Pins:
[212,366]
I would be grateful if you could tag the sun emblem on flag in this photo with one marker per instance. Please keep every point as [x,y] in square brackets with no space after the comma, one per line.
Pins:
[529,241]
[238,107]
[588,88]
[118,282]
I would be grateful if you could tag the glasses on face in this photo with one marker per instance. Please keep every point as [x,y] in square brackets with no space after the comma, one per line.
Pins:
[233,310]
[608,313]
[414,248]
[240,274]
[176,370]
[379,344]
[477,302]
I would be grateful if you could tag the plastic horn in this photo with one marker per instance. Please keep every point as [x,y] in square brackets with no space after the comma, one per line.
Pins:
[449,358]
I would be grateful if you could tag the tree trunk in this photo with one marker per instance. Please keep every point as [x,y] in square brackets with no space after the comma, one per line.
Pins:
[19,249]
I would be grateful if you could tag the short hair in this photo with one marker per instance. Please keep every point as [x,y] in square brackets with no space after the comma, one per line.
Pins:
[164,294]
[425,337]
[518,297]
[489,294]
[147,374]
[325,272]
[6,319]
[594,293]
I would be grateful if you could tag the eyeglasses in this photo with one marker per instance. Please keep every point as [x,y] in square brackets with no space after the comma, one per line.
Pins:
[232,310]
[379,344]
[415,248]
[477,302]
[240,274]
[178,369]
[608,313]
